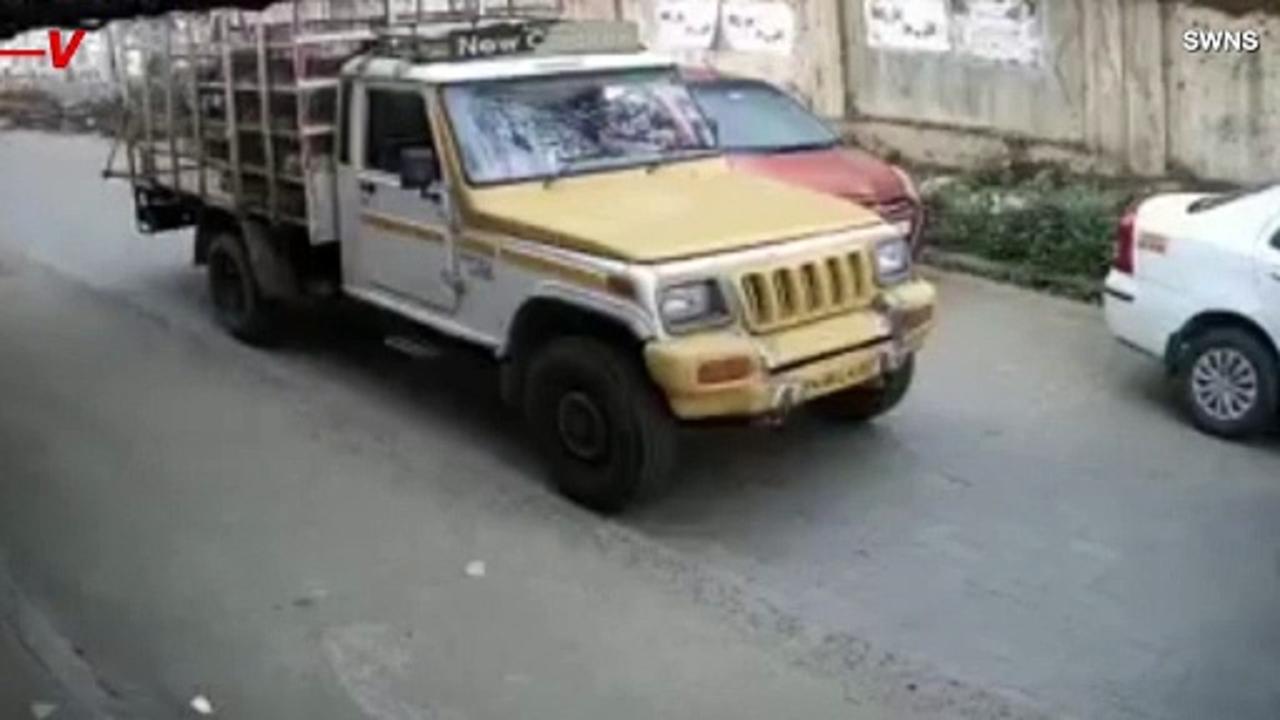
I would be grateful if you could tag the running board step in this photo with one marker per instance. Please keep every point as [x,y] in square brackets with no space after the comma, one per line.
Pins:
[417,348]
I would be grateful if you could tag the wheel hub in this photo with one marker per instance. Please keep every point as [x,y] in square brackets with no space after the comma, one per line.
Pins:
[1224,384]
[582,427]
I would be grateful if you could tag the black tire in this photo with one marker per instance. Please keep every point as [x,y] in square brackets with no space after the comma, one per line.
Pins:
[238,304]
[607,434]
[1244,401]
[864,402]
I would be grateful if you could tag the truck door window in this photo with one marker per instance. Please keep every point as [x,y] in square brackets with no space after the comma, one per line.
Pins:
[397,119]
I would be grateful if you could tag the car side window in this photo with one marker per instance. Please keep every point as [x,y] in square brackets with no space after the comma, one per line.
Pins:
[1275,239]
[397,120]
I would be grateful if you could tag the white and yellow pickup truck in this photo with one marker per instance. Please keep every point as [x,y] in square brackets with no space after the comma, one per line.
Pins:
[550,193]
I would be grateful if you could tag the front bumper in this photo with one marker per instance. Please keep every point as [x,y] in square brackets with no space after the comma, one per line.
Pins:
[774,373]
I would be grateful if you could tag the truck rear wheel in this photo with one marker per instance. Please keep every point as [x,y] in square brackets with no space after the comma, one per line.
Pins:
[1229,383]
[606,432]
[864,402]
[237,301]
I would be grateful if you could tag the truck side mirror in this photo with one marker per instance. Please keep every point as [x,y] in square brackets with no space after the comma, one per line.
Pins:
[418,168]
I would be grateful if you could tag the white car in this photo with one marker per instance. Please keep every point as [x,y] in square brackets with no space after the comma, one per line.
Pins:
[1196,283]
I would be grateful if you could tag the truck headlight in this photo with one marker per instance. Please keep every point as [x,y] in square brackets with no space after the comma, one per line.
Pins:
[692,306]
[893,261]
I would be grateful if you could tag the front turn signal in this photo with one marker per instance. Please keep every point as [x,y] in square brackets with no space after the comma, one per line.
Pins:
[723,370]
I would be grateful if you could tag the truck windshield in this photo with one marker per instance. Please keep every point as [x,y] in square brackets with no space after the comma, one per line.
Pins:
[547,127]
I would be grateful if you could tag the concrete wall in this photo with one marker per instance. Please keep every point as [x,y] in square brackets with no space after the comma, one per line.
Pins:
[1223,110]
[1114,91]
[1045,100]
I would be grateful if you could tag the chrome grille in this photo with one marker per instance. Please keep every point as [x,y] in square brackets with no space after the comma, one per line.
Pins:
[803,291]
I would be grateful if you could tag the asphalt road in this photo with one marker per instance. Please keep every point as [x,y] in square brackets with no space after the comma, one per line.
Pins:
[1034,533]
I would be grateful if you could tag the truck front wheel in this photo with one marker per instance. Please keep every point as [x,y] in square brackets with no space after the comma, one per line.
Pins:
[864,402]
[237,302]
[606,432]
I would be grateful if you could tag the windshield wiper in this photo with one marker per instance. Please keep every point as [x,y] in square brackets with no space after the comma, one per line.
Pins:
[567,166]
[684,155]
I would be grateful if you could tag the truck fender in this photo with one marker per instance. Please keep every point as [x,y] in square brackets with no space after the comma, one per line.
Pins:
[556,310]
[618,312]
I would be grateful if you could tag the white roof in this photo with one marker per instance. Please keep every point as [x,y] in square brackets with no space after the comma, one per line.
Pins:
[374,67]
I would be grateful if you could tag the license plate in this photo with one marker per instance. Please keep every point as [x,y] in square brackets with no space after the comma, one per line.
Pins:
[842,376]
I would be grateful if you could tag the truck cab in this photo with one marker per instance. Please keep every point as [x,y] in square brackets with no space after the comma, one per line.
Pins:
[551,194]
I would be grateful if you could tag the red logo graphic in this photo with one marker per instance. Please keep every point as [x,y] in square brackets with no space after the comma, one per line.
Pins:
[60,56]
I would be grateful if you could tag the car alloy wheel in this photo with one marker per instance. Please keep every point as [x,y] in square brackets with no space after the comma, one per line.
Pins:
[1224,384]
[1229,379]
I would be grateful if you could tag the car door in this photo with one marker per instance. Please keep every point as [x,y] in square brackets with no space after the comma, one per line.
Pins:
[398,241]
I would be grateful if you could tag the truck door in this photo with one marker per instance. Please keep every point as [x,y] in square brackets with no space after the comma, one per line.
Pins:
[397,244]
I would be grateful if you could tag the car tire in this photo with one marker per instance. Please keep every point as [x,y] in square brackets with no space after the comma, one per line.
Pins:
[238,304]
[605,431]
[1229,383]
[865,402]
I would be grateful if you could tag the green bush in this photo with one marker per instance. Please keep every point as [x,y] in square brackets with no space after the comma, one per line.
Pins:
[1045,224]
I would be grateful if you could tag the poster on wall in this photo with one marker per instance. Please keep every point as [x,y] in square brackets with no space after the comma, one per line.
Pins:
[917,25]
[684,24]
[759,27]
[1007,31]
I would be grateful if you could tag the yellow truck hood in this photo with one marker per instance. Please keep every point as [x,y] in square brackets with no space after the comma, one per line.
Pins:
[676,211]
